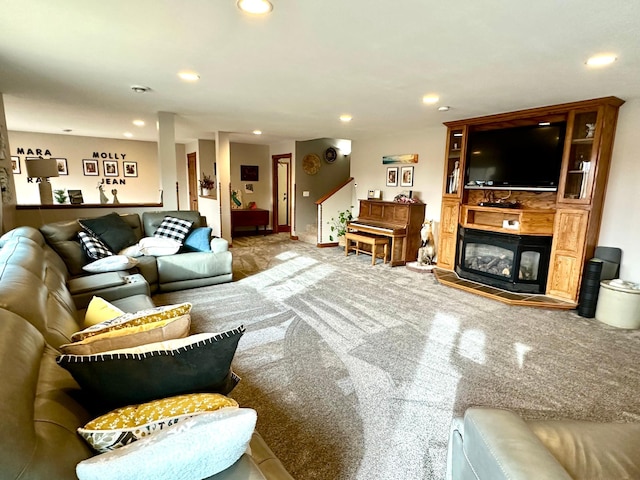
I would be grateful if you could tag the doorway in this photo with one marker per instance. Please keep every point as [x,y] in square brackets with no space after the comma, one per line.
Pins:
[192,175]
[281,169]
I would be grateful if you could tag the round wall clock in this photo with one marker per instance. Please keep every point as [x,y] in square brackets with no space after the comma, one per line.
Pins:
[311,164]
[330,155]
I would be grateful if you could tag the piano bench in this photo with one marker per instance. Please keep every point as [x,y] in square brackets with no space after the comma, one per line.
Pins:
[364,238]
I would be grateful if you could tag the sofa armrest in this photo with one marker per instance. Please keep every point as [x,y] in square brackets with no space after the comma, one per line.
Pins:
[498,444]
[219,245]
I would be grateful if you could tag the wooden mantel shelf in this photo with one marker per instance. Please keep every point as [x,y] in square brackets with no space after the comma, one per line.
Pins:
[516,221]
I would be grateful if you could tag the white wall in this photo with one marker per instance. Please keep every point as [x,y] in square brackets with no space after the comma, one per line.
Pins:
[370,173]
[250,154]
[621,216]
[145,188]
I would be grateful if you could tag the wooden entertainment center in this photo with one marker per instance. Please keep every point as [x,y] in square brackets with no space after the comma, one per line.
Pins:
[571,215]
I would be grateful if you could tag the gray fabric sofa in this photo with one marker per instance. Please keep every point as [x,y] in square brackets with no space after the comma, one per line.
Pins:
[166,273]
[494,444]
[41,405]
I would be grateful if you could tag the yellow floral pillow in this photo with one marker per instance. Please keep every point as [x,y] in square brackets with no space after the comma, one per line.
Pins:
[128,424]
[134,319]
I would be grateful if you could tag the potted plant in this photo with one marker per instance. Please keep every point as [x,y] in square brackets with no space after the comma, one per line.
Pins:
[207,184]
[339,225]
[61,196]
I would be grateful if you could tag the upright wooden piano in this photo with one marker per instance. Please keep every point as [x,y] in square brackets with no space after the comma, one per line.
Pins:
[401,222]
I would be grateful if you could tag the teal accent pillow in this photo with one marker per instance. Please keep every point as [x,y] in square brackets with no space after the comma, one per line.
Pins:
[114,232]
[198,240]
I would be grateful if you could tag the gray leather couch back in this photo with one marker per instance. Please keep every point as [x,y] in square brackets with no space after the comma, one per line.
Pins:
[33,285]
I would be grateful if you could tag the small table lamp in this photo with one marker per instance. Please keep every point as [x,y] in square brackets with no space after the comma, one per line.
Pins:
[43,168]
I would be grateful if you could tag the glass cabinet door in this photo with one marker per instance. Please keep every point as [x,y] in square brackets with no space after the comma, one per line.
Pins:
[579,174]
[454,160]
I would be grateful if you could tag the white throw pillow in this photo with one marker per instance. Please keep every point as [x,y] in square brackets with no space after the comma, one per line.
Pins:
[198,447]
[112,263]
[158,246]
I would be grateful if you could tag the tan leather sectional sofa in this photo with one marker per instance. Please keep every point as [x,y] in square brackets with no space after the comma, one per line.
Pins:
[41,406]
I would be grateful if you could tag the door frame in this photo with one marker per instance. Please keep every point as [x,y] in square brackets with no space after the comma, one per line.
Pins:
[274,170]
[192,180]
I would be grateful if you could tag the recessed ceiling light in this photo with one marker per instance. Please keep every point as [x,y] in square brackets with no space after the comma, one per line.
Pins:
[256,7]
[189,76]
[345,118]
[128,134]
[430,99]
[257,132]
[138,123]
[140,89]
[444,108]
[601,60]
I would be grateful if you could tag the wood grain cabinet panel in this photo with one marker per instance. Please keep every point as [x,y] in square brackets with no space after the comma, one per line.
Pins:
[448,234]
[567,253]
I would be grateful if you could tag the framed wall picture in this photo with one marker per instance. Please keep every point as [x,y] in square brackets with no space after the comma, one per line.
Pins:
[406,177]
[130,169]
[62,166]
[15,165]
[249,173]
[110,168]
[392,176]
[75,197]
[90,168]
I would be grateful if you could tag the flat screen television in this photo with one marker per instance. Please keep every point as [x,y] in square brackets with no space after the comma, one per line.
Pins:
[520,157]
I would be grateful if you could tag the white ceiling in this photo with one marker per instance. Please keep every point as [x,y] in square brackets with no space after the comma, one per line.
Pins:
[70,64]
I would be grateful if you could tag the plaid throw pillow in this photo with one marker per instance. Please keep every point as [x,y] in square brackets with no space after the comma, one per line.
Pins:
[93,247]
[173,228]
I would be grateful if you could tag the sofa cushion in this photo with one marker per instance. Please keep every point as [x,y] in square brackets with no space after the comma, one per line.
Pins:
[93,247]
[63,238]
[158,331]
[199,363]
[128,424]
[112,263]
[197,447]
[115,232]
[100,310]
[173,228]
[39,407]
[134,319]
[198,240]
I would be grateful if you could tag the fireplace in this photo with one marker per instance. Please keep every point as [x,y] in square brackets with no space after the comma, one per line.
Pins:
[518,263]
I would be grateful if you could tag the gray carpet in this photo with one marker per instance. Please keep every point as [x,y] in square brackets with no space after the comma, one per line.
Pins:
[356,371]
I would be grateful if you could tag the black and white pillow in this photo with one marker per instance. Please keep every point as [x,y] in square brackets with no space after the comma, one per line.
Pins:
[173,228]
[93,247]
